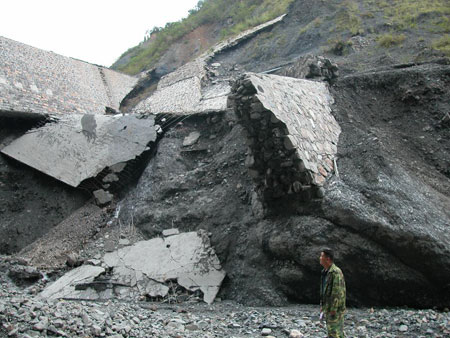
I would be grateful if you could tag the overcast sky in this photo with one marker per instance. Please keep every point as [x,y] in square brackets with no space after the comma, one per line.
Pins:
[96,31]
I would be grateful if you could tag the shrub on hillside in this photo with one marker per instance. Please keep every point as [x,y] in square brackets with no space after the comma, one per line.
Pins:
[389,40]
[443,44]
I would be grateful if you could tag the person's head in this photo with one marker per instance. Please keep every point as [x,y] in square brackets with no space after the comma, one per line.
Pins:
[326,257]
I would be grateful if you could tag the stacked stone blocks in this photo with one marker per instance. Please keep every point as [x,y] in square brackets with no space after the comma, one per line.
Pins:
[292,133]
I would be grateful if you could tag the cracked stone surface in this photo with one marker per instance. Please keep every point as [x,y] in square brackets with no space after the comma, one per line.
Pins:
[73,148]
[39,81]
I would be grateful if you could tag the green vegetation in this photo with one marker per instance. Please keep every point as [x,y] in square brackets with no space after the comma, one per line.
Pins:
[443,44]
[405,14]
[242,14]
[315,23]
[349,18]
[389,40]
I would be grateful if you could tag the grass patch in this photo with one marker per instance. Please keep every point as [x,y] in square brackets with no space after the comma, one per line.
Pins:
[315,23]
[405,14]
[349,18]
[442,44]
[389,40]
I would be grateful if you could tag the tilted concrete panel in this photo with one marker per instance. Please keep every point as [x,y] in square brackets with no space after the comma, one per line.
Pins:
[39,81]
[76,147]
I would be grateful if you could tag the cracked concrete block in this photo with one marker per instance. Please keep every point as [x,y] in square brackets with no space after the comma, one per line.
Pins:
[65,287]
[170,232]
[145,268]
[182,257]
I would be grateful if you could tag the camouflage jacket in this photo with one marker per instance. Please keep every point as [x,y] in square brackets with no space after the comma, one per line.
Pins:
[332,295]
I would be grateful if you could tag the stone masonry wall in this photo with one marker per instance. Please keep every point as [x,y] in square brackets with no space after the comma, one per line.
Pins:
[38,81]
[293,135]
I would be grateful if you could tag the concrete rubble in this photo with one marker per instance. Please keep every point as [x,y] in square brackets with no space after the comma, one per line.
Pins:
[73,148]
[293,135]
[146,268]
[187,91]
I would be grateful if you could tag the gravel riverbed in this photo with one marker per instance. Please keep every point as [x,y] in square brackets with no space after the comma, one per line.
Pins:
[25,314]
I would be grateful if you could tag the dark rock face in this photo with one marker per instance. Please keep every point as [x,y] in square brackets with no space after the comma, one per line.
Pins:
[393,191]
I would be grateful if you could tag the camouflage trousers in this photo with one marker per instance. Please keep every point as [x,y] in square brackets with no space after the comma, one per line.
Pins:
[335,325]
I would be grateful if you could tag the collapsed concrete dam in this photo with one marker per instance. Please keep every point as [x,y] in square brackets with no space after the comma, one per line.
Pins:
[268,165]
[38,81]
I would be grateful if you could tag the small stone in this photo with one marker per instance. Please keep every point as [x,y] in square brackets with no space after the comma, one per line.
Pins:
[191,139]
[102,197]
[289,142]
[266,331]
[295,334]
[96,330]
[41,326]
[403,328]
[192,327]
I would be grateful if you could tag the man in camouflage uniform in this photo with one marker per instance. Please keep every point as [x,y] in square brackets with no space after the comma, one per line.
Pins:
[332,295]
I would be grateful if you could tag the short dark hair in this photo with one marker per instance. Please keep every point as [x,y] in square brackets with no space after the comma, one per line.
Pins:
[328,252]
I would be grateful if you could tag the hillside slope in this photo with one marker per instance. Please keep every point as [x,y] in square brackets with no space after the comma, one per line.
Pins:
[360,33]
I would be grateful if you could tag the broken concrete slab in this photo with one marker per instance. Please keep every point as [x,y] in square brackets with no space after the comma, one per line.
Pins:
[170,232]
[146,268]
[65,287]
[187,258]
[73,148]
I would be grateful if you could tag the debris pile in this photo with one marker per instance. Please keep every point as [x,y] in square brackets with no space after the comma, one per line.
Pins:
[147,268]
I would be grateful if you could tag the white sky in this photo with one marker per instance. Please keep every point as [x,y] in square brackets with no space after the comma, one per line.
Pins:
[96,31]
